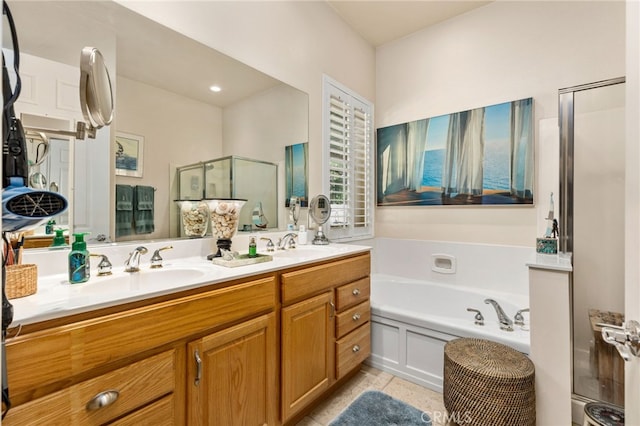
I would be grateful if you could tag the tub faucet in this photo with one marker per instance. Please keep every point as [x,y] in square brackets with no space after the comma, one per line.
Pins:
[132,264]
[505,322]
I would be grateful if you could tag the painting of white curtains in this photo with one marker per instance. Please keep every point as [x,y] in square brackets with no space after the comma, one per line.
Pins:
[478,156]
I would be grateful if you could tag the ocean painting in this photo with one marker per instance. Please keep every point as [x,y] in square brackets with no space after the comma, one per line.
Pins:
[296,171]
[129,154]
[474,157]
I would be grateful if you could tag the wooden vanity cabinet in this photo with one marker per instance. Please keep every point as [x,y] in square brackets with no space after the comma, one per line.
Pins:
[133,366]
[232,375]
[317,343]
[245,352]
[307,351]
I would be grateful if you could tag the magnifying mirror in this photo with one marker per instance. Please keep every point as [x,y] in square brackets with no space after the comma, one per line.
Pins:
[320,212]
[96,96]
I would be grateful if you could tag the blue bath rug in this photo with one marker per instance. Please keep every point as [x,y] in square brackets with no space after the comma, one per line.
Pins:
[374,408]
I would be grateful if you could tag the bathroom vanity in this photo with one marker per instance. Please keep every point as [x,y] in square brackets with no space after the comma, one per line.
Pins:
[259,348]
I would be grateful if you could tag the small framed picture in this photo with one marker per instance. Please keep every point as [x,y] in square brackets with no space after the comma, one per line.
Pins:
[129,154]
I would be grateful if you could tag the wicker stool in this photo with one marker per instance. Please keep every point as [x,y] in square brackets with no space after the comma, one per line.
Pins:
[487,383]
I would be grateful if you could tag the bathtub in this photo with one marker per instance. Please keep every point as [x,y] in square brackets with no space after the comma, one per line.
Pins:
[411,321]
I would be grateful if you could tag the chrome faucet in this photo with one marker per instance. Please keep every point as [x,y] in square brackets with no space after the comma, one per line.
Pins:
[270,245]
[290,238]
[104,266]
[505,322]
[132,264]
[156,259]
[519,319]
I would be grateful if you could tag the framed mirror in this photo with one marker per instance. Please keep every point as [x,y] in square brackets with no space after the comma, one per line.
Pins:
[181,119]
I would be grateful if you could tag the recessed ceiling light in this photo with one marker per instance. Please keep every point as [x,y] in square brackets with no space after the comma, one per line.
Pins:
[215,88]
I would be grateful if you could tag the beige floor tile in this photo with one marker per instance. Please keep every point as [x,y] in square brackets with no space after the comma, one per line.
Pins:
[420,397]
[372,378]
[308,421]
[330,408]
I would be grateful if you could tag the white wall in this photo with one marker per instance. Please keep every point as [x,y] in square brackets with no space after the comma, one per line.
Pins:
[295,42]
[632,204]
[279,117]
[500,52]
[185,129]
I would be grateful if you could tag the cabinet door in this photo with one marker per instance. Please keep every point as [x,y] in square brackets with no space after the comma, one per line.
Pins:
[232,375]
[307,352]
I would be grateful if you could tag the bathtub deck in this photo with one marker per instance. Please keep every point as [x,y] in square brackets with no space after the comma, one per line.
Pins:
[371,378]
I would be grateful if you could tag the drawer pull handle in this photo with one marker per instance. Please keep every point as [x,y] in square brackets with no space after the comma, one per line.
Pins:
[333,309]
[102,400]
[356,348]
[356,292]
[196,355]
[356,317]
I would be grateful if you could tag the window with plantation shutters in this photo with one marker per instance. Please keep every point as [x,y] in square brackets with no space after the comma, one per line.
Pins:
[347,162]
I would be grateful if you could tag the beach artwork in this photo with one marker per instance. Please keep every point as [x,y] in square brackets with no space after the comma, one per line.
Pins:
[129,154]
[482,156]
[297,172]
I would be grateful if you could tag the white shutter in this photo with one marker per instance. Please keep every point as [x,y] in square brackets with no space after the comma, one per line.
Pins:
[348,164]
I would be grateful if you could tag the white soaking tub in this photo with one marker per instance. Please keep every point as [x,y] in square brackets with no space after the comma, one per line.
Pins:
[411,320]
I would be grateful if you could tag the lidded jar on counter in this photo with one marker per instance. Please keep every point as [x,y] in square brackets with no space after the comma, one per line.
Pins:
[194,215]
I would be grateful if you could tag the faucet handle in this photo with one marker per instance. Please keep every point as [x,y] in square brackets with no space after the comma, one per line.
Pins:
[156,259]
[479,319]
[518,319]
[292,242]
[270,245]
[104,266]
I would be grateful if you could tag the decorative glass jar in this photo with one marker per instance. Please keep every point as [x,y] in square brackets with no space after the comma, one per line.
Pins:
[224,214]
[194,216]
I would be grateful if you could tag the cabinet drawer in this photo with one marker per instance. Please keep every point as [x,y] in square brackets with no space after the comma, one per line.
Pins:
[307,282]
[160,413]
[352,349]
[352,318]
[136,385]
[353,293]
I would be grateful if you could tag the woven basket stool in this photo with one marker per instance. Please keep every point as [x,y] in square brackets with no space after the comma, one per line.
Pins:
[488,383]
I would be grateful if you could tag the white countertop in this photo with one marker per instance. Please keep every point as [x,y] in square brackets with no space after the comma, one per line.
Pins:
[56,297]
[554,262]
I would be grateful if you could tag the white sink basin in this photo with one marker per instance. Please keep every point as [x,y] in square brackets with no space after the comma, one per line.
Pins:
[143,280]
[305,252]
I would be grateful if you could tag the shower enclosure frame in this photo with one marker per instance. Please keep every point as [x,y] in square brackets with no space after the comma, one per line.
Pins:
[566,110]
[566,98]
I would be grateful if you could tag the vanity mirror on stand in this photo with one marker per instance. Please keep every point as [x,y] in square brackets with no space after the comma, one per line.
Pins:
[320,212]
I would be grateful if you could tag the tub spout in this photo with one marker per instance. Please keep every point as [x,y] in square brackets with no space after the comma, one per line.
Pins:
[505,322]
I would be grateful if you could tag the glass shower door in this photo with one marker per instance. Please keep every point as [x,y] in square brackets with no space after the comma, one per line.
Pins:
[596,235]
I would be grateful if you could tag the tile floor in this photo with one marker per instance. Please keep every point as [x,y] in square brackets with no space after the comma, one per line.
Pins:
[371,378]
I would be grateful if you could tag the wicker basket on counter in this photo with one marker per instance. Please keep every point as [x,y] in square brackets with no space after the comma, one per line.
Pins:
[22,280]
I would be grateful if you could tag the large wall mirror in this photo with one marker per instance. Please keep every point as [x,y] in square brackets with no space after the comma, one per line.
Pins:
[162,83]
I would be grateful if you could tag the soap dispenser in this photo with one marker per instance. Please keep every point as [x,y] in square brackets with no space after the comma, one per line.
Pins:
[59,241]
[79,267]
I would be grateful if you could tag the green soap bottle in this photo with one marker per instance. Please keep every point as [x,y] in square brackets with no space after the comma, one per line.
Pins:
[79,268]
[59,242]
[253,247]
